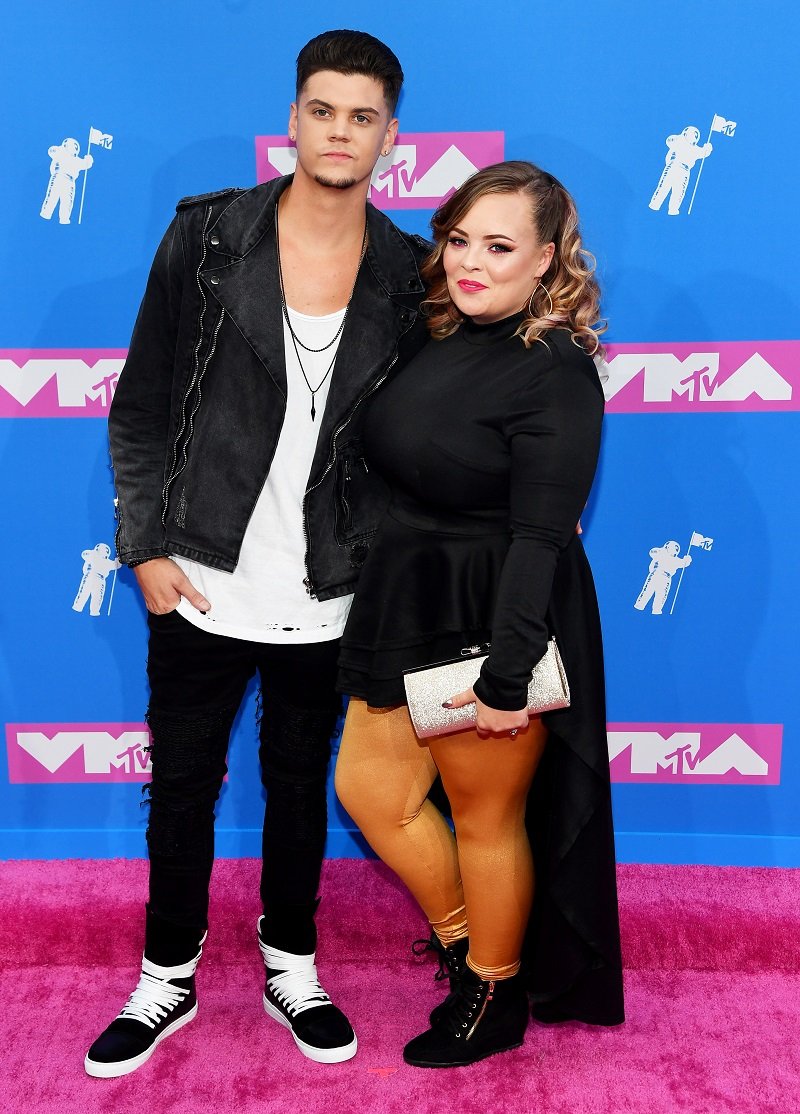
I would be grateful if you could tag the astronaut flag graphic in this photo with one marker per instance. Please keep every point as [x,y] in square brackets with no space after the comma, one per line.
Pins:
[665,561]
[683,151]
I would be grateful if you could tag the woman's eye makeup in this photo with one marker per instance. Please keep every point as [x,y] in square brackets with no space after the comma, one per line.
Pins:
[495,249]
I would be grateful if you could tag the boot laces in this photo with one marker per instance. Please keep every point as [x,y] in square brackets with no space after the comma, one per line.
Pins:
[449,962]
[152,1000]
[422,947]
[297,988]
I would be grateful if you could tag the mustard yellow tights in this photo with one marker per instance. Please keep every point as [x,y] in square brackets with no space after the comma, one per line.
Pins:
[480,883]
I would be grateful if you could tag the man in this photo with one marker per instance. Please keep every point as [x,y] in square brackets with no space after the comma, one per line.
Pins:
[246,510]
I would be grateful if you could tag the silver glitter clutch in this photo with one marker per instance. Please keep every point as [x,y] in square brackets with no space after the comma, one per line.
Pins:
[429,685]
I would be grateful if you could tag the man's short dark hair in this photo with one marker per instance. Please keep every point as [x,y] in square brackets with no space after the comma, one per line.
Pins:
[352,52]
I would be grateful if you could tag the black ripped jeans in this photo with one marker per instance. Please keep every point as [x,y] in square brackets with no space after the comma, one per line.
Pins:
[197,681]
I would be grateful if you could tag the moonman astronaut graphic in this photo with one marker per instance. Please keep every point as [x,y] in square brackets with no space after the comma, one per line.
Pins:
[664,563]
[65,166]
[97,564]
[684,151]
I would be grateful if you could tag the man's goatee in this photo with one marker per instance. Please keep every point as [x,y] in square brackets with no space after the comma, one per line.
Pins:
[335,184]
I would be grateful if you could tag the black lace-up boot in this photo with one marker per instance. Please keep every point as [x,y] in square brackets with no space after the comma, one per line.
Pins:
[481,1018]
[452,961]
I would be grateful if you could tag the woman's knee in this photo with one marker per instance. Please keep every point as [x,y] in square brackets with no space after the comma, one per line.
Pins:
[487,819]
[371,797]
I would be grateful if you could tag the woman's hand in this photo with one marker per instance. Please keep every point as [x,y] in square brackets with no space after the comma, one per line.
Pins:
[490,721]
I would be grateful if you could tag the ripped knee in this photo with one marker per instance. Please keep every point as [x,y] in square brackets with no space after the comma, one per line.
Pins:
[181,831]
[184,743]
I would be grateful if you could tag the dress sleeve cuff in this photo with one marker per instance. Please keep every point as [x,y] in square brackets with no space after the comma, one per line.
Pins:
[497,692]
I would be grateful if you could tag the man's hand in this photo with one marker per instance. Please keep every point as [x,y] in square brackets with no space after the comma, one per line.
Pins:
[490,721]
[162,584]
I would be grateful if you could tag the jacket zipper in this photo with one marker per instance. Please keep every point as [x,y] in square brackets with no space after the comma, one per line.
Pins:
[174,470]
[345,503]
[309,586]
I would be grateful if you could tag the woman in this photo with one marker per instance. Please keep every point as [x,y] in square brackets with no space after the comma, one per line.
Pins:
[489,441]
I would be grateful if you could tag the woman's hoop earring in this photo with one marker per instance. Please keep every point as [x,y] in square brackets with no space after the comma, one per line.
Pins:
[530,300]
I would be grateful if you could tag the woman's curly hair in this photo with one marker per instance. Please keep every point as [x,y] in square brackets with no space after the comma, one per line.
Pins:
[574,296]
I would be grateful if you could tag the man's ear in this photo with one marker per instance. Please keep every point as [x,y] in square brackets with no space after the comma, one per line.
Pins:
[391,134]
[292,129]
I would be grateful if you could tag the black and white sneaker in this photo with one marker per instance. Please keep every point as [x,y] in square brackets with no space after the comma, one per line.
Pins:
[163,1001]
[294,998]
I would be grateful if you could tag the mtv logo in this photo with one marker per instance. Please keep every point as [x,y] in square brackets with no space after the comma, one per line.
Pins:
[699,754]
[420,171]
[77,752]
[695,378]
[58,383]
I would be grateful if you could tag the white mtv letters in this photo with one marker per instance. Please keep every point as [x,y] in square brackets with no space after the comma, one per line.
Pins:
[651,752]
[665,376]
[97,564]
[398,171]
[76,381]
[102,751]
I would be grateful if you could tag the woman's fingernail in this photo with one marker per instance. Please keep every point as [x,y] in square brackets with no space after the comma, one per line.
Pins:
[447,703]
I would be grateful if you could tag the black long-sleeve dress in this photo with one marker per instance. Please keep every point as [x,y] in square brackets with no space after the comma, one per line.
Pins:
[490,450]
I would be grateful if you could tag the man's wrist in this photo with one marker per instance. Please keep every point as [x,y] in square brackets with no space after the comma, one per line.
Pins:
[134,562]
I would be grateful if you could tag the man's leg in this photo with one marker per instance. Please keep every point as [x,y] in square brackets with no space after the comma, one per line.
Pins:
[300,707]
[197,681]
[196,684]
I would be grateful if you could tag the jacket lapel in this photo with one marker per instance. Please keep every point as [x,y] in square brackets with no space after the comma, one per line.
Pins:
[248,290]
[246,286]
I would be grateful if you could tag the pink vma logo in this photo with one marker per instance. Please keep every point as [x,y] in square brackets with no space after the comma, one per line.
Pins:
[420,171]
[696,753]
[702,378]
[58,382]
[77,752]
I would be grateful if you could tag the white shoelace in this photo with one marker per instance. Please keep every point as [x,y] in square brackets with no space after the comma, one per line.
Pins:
[152,1000]
[155,996]
[295,985]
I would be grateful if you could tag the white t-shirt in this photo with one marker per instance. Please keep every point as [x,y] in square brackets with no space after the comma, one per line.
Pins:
[264,598]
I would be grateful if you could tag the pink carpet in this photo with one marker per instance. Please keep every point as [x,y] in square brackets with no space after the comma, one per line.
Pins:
[713,996]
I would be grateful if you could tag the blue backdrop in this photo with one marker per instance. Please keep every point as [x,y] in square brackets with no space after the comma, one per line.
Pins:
[703,706]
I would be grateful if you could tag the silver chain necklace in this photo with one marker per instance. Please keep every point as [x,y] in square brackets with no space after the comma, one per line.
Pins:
[295,338]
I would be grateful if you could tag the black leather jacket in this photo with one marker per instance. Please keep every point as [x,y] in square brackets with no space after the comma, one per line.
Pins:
[200,403]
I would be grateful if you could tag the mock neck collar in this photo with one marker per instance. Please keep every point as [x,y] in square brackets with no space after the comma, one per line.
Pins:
[493,333]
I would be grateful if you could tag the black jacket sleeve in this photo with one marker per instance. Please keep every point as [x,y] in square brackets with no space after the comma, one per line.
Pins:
[554,434]
[139,419]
